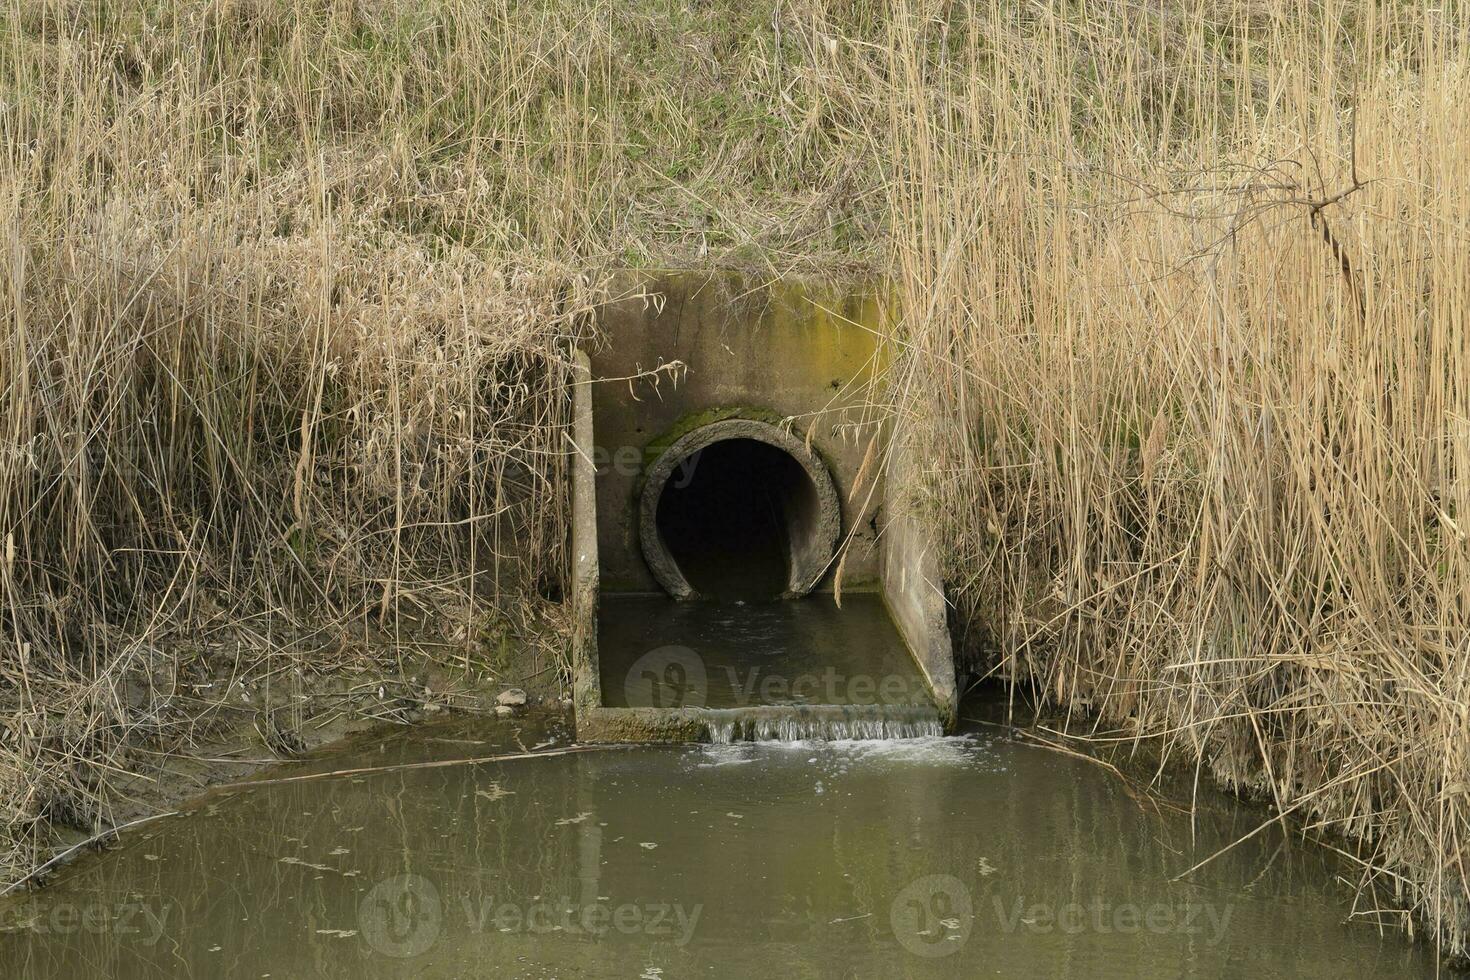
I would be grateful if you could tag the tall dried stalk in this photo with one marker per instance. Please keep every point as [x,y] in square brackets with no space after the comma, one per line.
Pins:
[1184,296]
[288,287]
[275,362]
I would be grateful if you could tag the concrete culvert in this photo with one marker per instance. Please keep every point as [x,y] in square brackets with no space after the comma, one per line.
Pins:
[738,509]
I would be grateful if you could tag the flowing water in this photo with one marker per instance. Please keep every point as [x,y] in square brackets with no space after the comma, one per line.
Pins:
[828,723]
[966,856]
[786,670]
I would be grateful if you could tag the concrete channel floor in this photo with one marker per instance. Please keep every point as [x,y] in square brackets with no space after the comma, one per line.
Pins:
[660,652]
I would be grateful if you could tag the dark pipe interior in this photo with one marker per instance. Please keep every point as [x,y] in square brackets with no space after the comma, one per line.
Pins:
[731,514]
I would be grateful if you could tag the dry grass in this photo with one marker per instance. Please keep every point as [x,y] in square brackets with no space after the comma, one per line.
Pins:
[289,287]
[268,371]
[288,293]
[1186,303]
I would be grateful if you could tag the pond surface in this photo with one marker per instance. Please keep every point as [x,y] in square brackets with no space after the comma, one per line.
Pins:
[932,857]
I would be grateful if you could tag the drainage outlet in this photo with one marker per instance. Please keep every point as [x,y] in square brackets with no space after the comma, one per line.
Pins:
[738,509]
[698,490]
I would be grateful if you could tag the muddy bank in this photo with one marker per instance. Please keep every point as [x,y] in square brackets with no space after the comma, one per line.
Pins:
[225,727]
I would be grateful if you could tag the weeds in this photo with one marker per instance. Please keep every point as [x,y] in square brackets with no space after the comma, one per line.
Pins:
[290,288]
[1187,336]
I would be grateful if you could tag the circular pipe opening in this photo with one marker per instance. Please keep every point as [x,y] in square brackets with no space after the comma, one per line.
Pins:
[738,509]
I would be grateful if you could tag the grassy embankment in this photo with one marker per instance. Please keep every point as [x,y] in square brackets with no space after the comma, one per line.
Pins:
[289,287]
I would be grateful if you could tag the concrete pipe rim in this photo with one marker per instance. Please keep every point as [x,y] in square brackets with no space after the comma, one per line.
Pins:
[808,564]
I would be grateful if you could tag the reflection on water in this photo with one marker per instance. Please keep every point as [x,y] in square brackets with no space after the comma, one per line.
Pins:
[939,857]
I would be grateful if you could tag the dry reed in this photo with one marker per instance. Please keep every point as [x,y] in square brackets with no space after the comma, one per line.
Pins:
[289,288]
[1184,295]
[289,291]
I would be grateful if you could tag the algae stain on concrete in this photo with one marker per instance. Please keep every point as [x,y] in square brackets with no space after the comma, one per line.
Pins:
[795,355]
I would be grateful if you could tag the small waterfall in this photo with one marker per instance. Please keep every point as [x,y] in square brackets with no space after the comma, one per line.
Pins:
[793,723]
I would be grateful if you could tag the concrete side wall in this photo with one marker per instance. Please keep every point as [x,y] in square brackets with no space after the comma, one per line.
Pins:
[911,583]
[751,350]
[586,674]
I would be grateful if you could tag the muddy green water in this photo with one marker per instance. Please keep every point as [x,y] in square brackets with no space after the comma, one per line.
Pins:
[938,857]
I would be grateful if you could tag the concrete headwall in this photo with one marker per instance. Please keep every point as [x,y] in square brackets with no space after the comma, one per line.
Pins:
[787,354]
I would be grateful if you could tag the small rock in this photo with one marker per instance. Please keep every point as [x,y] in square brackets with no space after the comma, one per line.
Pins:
[503,711]
[511,698]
